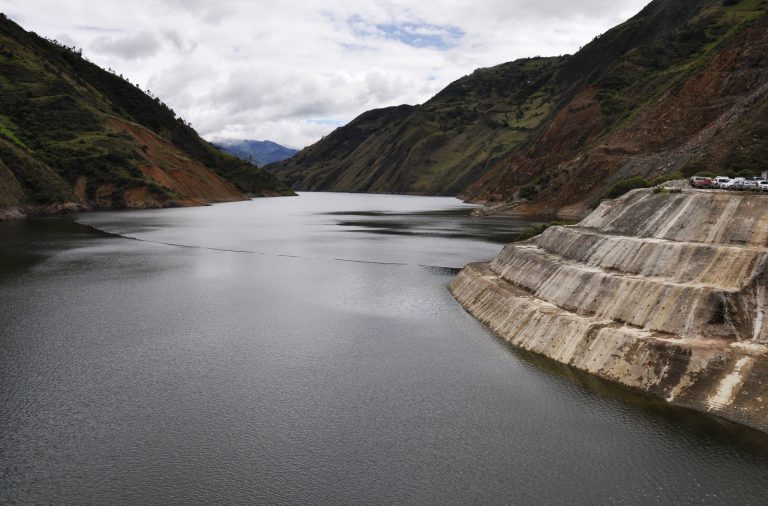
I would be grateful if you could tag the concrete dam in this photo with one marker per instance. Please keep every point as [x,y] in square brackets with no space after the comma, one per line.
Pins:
[662,292]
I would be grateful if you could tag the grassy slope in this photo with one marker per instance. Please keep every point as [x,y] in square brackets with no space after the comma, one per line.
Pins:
[562,130]
[653,100]
[437,148]
[55,129]
[452,140]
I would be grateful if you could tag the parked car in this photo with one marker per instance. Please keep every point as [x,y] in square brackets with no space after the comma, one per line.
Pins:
[750,186]
[762,186]
[738,183]
[721,181]
[701,182]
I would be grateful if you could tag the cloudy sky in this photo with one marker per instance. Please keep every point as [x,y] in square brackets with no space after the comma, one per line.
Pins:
[292,71]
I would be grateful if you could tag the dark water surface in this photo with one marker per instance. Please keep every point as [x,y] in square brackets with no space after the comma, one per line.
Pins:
[306,350]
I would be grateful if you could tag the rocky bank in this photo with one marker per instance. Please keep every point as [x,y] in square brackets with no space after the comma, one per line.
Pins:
[661,292]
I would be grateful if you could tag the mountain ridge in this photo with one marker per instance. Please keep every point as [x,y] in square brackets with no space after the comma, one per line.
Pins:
[436,144]
[74,136]
[552,135]
[259,153]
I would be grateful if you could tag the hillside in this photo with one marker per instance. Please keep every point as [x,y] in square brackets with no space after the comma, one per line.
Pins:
[690,99]
[679,88]
[75,136]
[436,148]
[258,152]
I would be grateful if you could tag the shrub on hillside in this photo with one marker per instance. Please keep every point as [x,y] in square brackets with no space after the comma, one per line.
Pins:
[528,192]
[621,187]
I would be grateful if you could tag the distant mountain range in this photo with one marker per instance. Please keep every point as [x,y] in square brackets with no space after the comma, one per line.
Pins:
[259,152]
[74,136]
[679,89]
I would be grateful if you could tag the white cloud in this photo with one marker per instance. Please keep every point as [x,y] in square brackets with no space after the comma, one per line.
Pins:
[130,47]
[66,40]
[291,71]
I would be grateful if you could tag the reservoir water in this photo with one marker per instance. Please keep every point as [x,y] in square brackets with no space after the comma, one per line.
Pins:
[306,350]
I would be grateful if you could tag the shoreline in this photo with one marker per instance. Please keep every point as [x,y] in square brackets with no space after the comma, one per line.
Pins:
[61,208]
[661,293]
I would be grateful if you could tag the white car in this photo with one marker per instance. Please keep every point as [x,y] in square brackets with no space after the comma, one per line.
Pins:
[738,183]
[749,185]
[762,186]
[721,181]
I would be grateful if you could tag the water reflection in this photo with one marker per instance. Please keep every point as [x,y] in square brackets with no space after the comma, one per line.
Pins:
[260,352]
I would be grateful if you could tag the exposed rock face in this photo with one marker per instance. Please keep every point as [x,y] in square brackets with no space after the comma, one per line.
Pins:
[170,168]
[657,291]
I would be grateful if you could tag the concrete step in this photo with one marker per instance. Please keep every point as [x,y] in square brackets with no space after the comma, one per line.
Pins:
[703,217]
[717,265]
[709,374]
[655,304]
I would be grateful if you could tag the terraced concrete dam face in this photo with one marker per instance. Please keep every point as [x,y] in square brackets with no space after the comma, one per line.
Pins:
[664,292]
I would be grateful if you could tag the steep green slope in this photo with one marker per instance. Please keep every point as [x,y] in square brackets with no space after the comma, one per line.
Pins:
[436,148]
[672,105]
[675,88]
[72,132]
